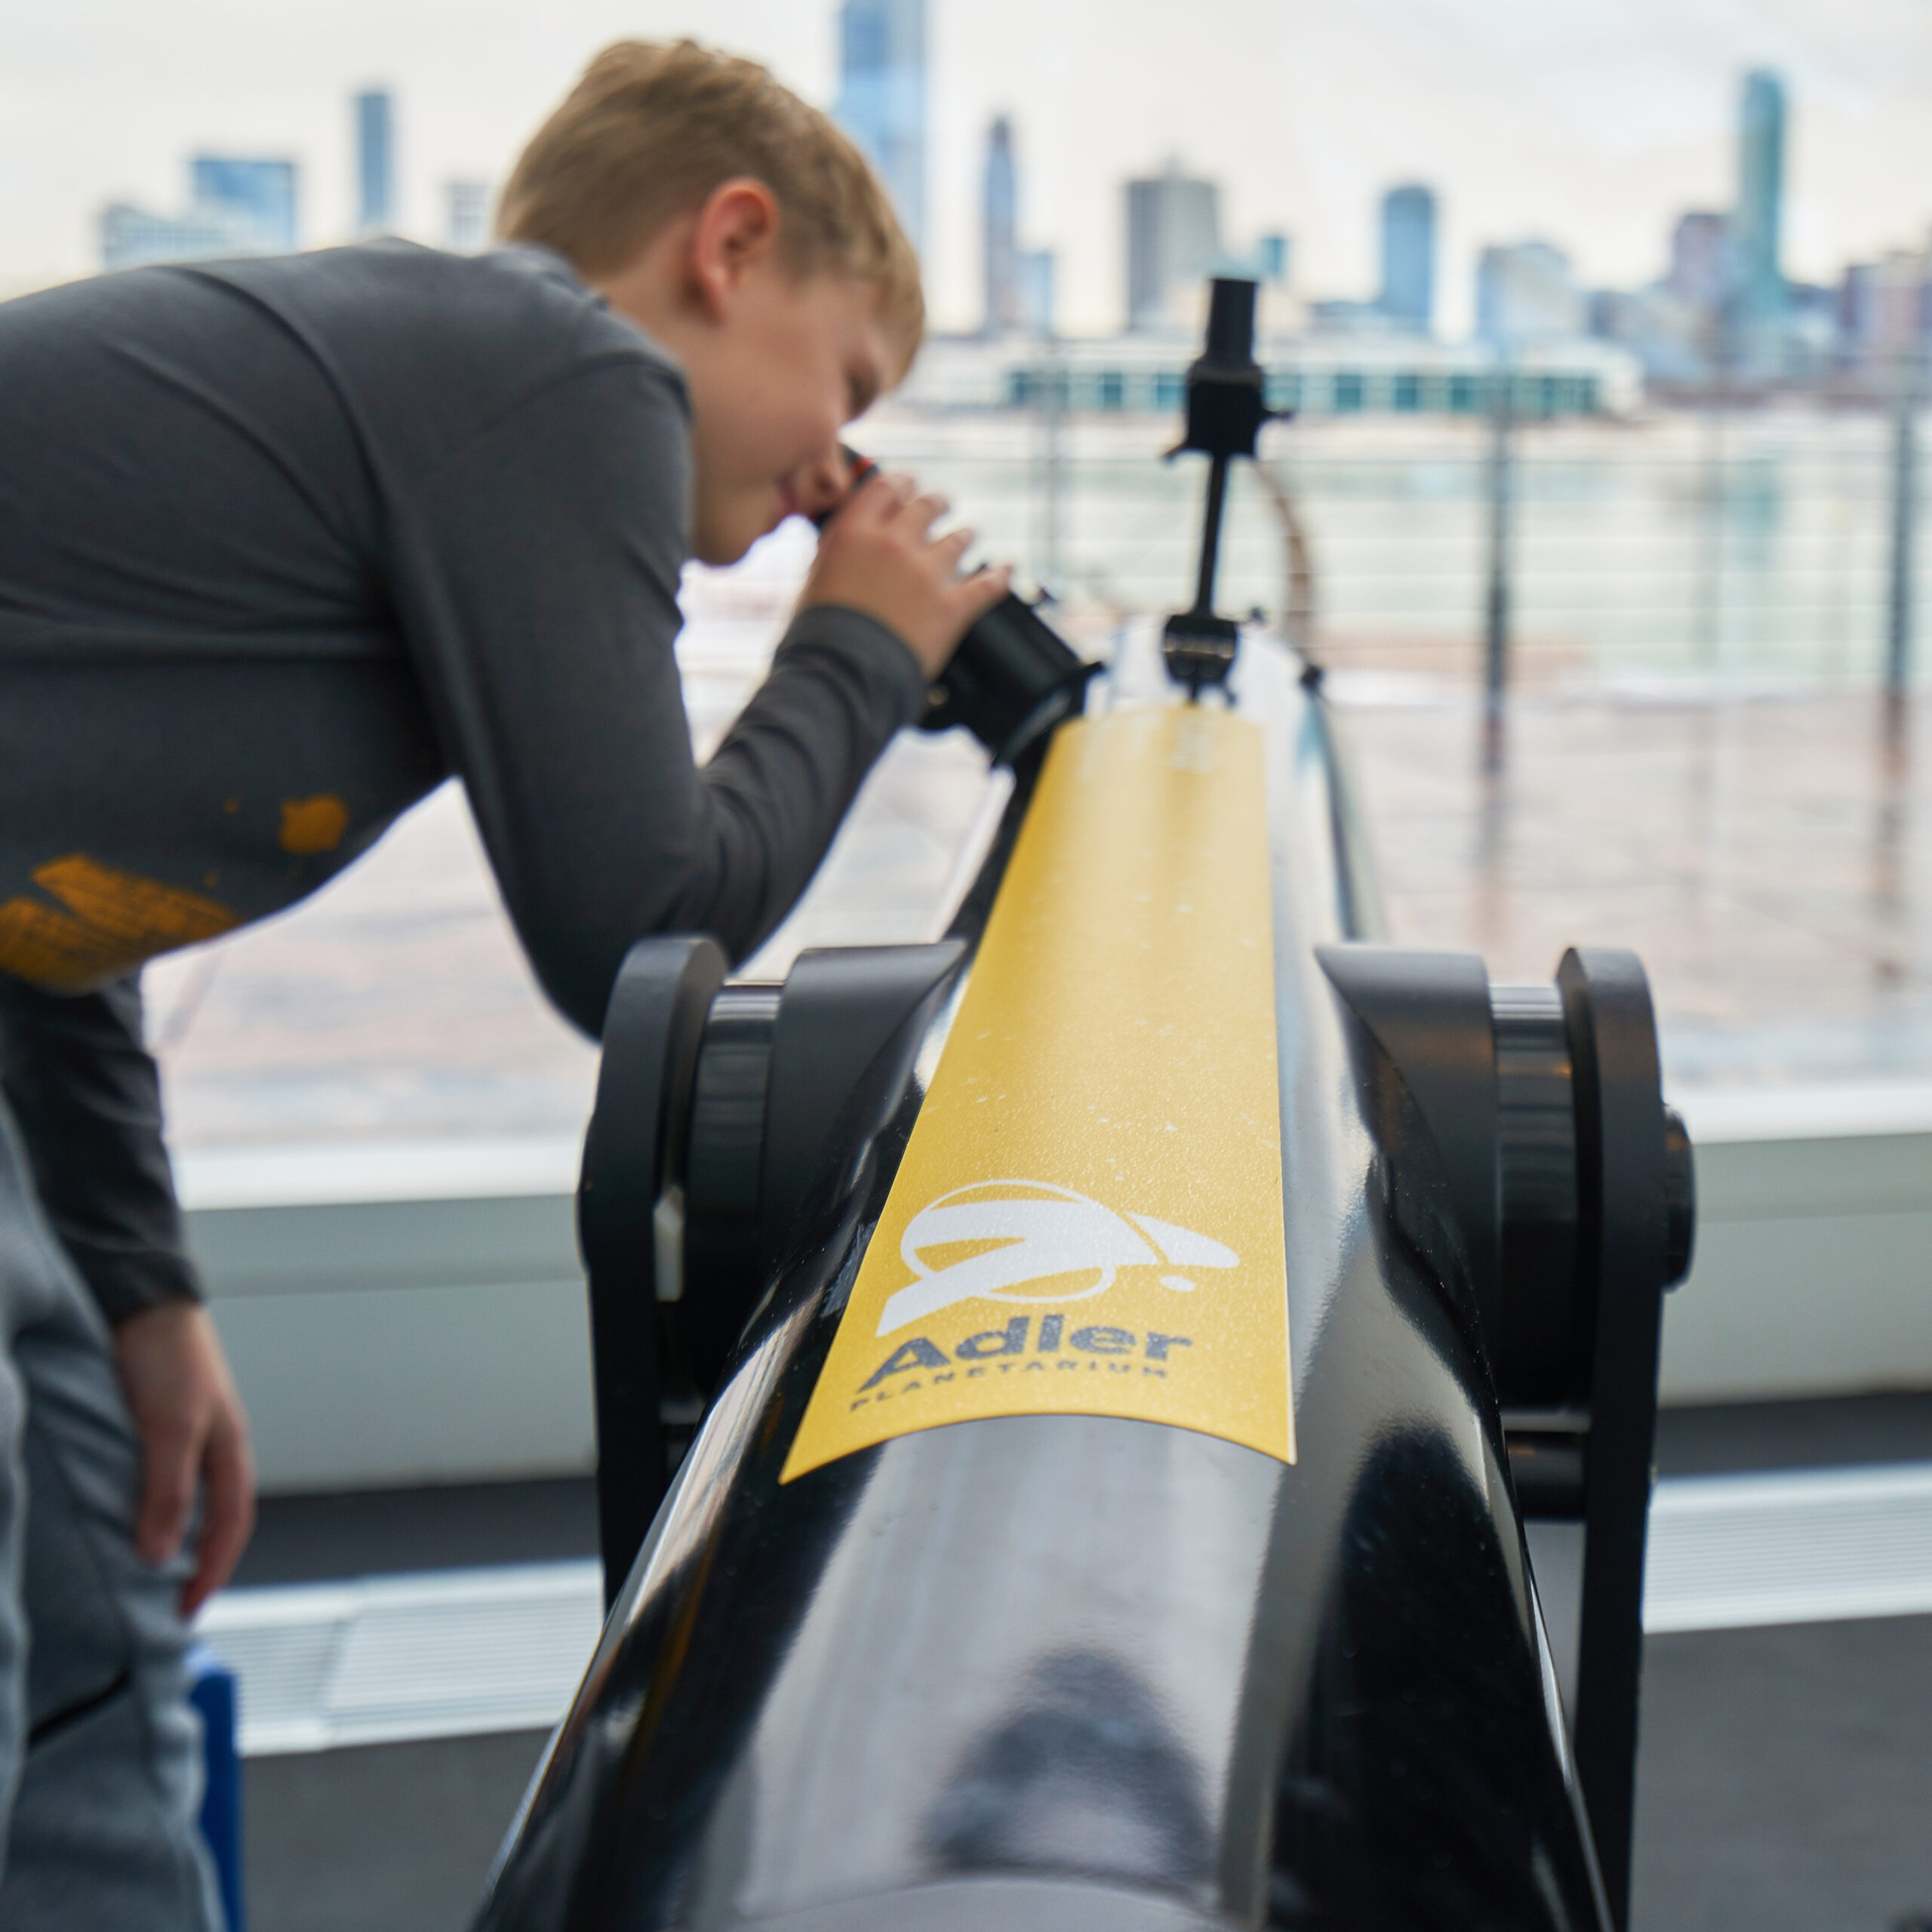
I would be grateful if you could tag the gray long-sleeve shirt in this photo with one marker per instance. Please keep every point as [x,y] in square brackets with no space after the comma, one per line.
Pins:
[284,543]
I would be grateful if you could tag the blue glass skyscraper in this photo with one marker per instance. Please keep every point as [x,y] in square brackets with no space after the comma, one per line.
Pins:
[1408,257]
[375,163]
[1759,220]
[882,98]
[260,194]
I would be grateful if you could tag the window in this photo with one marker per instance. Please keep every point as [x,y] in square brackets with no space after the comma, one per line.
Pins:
[1408,391]
[1348,390]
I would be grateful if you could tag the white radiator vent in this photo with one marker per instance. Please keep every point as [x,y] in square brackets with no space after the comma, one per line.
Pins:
[388,1658]
[1806,1546]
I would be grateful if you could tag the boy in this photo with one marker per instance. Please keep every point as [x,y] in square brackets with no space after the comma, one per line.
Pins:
[283,543]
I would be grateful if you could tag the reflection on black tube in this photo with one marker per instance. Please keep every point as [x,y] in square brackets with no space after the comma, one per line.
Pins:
[1083,1775]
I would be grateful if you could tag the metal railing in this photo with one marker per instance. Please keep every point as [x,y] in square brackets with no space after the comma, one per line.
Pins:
[1765,547]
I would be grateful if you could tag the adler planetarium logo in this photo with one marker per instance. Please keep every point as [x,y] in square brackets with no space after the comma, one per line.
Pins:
[1032,1241]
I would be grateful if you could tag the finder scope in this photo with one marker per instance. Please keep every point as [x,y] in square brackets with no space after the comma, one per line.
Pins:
[1226,406]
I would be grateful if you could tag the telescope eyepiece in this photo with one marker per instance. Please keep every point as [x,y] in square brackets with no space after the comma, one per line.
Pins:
[1012,677]
[860,471]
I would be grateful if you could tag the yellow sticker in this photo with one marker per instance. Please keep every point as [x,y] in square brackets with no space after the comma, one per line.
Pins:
[1088,1220]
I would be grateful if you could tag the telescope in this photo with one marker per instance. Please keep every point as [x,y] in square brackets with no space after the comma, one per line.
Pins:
[1070,1397]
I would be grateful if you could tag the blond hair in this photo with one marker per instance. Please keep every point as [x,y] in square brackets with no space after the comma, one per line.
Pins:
[653,127]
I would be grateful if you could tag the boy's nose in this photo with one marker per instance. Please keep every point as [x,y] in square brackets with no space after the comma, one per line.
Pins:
[822,484]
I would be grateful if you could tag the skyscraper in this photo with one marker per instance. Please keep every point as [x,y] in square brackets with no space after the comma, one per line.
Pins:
[1526,293]
[1700,259]
[1000,206]
[1173,240]
[1038,272]
[1859,308]
[375,162]
[1408,257]
[1760,215]
[260,194]
[882,98]
[131,236]
[466,216]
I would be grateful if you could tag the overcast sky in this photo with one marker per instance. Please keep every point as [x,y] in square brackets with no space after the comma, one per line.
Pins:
[1590,122]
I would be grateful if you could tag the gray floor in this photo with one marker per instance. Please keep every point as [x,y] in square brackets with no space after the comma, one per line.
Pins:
[1785,1780]
[1784,1785]
[396,1837]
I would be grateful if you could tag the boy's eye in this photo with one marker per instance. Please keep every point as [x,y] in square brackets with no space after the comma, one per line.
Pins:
[861,391]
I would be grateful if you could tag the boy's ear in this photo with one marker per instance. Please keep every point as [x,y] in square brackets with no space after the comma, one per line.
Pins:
[735,229]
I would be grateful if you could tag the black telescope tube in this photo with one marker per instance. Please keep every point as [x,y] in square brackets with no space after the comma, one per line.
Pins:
[933,1685]
[1012,677]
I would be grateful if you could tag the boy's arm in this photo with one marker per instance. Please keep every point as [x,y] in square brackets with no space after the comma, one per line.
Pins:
[87,1096]
[538,592]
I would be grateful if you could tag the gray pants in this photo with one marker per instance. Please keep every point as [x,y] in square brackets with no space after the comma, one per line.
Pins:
[100,1750]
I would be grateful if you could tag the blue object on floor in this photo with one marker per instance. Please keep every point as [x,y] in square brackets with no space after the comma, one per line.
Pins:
[212,1690]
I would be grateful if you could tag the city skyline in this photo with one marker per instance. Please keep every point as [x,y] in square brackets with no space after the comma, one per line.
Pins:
[1723,303]
[1596,133]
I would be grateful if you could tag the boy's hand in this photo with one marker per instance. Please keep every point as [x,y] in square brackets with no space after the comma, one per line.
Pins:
[192,1429]
[878,555]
